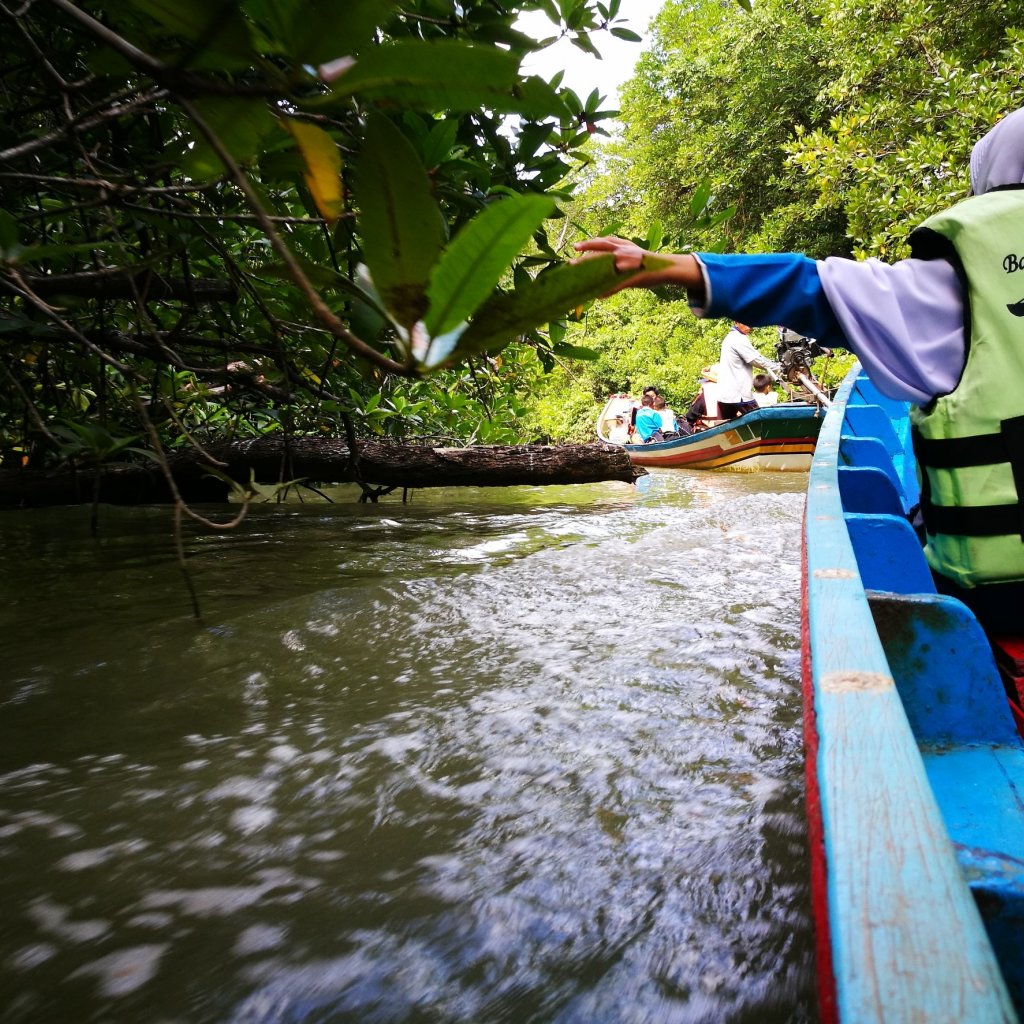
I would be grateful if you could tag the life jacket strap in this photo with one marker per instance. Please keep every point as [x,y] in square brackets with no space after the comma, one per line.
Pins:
[975,450]
[973,520]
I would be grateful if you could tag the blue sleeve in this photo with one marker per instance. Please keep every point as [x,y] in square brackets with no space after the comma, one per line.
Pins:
[772,289]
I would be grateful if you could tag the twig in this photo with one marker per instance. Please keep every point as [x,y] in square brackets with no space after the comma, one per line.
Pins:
[111,113]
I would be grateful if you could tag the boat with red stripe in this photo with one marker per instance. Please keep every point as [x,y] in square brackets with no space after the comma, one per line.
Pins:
[776,437]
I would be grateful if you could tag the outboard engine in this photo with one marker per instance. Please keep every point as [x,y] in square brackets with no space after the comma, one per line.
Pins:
[794,353]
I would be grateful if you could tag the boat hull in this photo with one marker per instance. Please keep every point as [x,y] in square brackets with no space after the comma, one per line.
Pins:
[914,766]
[778,438]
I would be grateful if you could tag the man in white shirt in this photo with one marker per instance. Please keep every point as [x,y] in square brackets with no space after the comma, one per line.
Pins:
[735,376]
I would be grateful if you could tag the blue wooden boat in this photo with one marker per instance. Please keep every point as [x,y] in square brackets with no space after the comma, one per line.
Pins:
[915,765]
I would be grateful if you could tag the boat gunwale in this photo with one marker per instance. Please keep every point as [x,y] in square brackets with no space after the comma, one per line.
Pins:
[887,866]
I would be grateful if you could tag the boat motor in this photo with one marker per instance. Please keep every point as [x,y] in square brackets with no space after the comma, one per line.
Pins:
[795,353]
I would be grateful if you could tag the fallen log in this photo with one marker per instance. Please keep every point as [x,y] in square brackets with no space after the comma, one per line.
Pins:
[322,460]
[126,283]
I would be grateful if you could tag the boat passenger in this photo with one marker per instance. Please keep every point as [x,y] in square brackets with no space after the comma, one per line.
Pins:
[698,410]
[764,393]
[619,432]
[668,419]
[648,422]
[943,330]
[735,376]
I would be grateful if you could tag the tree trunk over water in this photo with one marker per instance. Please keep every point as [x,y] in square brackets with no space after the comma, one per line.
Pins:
[323,460]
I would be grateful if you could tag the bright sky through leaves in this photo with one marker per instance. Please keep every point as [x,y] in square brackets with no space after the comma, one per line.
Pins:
[583,71]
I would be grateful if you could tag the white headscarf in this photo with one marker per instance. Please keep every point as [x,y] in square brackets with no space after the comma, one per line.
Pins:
[998,158]
[905,322]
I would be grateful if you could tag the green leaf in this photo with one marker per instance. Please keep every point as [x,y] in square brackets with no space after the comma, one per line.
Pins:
[316,31]
[714,220]
[8,231]
[481,253]
[241,125]
[583,42]
[446,76]
[504,317]
[627,34]
[576,352]
[536,99]
[442,347]
[368,315]
[440,141]
[700,199]
[212,26]
[400,223]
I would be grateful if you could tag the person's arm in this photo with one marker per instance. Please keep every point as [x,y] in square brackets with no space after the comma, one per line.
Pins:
[751,355]
[760,290]
[904,322]
[766,289]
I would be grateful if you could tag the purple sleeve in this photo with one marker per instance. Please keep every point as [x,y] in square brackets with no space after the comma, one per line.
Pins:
[905,322]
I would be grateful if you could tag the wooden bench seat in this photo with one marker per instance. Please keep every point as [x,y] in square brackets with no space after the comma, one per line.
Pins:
[972,752]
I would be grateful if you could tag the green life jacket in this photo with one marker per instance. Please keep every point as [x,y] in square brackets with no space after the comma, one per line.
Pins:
[970,443]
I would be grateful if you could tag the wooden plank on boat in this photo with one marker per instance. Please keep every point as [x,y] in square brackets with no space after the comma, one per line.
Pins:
[903,936]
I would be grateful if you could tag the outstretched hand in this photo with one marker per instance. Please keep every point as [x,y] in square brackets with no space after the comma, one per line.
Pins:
[645,269]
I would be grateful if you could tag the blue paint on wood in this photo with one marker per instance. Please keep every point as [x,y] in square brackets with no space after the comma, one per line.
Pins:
[979,789]
[889,554]
[867,490]
[998,885]
[944,670]
[871,421]
[868,452]
[908,943]
[864,393]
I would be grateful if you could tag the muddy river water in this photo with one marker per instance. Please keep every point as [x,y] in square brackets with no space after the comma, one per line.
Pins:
[521,755]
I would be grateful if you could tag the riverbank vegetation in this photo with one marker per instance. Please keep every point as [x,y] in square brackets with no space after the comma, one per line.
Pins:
[229,218]
[235,218]
[830,127]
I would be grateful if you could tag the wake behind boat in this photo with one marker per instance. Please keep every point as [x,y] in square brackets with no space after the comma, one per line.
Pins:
[777,437]
[915,764]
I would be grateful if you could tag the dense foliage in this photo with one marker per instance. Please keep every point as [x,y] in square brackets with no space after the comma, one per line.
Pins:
[230,217]
[830,127]
[226,217]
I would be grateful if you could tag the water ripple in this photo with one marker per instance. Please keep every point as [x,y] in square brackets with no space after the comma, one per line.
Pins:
[526,756]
